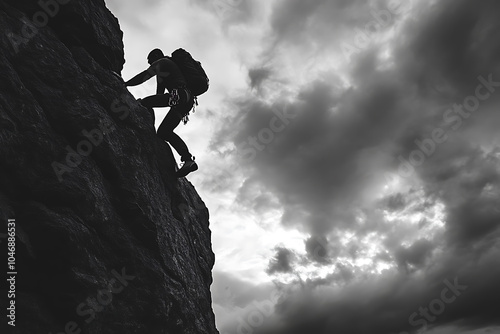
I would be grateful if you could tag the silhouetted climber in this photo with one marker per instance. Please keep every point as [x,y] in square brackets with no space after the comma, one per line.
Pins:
[179,98]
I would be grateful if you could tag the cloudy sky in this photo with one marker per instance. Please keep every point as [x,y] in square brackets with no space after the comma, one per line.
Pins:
[349,156]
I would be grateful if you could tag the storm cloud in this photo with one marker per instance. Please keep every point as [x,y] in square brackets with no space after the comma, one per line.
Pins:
[398,148]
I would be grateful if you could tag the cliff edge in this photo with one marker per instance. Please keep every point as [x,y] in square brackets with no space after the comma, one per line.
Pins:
[107,240]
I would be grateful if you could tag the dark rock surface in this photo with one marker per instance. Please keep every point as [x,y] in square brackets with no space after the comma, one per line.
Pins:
[107,239]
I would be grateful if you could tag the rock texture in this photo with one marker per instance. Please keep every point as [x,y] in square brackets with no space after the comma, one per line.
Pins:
[107,239]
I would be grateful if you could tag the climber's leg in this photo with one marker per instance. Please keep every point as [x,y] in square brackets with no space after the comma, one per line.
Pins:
[170,122]
[161,100]
[166,132]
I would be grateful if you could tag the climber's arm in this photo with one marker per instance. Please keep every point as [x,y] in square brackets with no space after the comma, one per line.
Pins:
[140,78]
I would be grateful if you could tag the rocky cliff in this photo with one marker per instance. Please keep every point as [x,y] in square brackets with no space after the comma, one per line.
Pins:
[107,240]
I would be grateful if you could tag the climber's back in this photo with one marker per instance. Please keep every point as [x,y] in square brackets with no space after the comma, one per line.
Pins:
[168,74]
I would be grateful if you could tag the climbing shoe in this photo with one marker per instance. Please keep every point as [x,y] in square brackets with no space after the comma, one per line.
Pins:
[188,167]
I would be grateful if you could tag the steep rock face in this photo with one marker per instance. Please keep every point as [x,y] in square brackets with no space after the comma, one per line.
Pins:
[107,239]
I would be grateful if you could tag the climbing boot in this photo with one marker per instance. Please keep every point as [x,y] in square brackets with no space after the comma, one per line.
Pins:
[188,167]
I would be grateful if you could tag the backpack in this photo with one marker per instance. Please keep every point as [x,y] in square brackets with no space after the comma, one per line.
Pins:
[196,78]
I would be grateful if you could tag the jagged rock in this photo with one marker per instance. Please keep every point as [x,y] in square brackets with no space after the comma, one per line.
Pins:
[107,239]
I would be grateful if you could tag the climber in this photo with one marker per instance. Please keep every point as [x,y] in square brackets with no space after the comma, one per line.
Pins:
[179,99]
